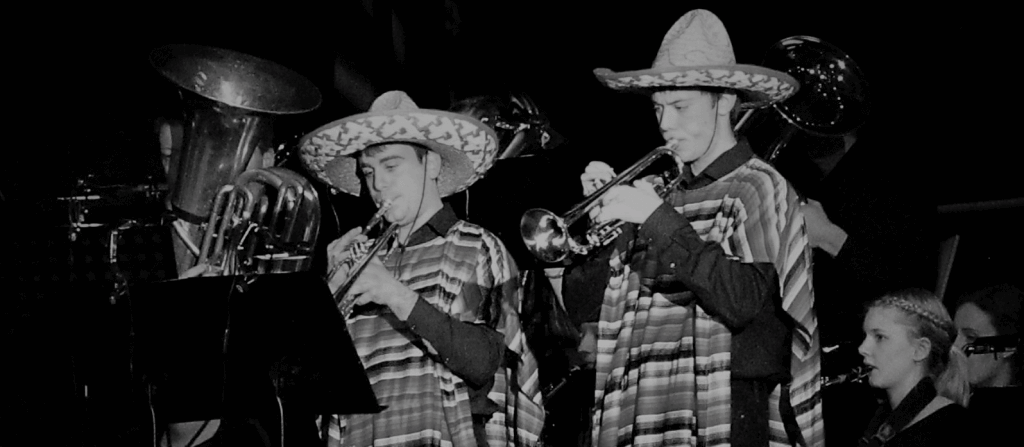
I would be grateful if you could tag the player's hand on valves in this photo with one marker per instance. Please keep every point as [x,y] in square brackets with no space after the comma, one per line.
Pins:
[596,175]
[629,203]
[377,285]
[337,252]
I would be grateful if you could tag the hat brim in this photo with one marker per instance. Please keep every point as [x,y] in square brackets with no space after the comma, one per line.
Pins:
[761,86]
[467,147]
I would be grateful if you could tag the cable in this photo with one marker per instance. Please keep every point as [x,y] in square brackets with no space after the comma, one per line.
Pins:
[280,412]
[152,412]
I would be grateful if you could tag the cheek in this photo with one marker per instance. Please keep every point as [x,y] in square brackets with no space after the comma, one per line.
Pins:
[980,366]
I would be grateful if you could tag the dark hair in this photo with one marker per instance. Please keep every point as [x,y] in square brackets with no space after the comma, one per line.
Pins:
[927,317]
[1002,304]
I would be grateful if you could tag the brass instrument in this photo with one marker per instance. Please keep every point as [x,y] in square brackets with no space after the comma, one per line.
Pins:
[359,257]
[547,235]
[268,219]
[833,95]
[232,101]
[855,375]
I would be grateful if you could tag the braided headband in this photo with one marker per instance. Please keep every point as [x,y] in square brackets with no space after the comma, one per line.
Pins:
[912,308]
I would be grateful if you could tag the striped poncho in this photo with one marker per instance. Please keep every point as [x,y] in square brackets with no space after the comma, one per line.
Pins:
[427,405]
[664,368]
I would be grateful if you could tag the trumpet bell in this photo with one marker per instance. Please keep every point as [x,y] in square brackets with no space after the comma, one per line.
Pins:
[546,235]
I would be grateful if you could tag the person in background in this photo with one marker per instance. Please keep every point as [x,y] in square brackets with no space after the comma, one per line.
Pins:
[994,364]
[909,349]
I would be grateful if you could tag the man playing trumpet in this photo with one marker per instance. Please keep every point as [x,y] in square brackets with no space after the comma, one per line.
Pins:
[436,310]
[705,331]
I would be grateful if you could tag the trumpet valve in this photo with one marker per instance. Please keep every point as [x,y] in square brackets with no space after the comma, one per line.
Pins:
[603,235]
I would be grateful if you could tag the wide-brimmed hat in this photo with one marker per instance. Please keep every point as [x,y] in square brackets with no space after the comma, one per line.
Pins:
[697,52]
[467,147]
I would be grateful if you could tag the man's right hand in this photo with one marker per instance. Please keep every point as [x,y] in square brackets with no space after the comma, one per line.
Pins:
[337,252]
[821,232]
[596,175]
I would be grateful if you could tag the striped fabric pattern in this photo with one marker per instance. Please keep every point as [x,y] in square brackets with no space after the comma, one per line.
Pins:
[663,369]
[427,405]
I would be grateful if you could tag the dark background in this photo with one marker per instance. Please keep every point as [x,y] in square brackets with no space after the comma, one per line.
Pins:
[84,101]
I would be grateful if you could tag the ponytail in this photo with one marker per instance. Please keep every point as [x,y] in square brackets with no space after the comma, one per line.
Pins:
[953,382]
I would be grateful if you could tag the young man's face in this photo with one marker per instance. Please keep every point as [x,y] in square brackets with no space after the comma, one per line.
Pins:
[394,172]
[687,117]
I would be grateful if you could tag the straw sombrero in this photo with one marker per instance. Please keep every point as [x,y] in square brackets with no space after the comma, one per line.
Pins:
[697,52]
[467,147]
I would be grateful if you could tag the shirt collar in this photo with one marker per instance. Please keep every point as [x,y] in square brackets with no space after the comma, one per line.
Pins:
[438,226]
[724,164]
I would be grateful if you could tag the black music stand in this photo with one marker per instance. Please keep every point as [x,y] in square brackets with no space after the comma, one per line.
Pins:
[274,350]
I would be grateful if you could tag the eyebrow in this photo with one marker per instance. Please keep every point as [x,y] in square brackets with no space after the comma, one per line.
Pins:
[382,160]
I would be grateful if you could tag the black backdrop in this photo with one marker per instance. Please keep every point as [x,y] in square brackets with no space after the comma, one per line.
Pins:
[82,102]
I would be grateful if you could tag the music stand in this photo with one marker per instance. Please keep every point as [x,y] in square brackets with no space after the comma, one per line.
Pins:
[219,347]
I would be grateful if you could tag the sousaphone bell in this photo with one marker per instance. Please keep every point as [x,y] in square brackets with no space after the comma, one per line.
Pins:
[833,97]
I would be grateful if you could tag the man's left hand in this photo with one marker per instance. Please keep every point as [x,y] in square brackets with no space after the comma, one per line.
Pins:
[377,285]
[630,203]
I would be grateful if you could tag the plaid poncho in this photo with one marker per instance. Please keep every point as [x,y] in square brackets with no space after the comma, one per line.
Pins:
[663,369]
[427,405]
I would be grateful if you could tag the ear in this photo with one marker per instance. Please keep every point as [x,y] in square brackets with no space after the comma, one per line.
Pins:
[433,165]
[922,348]
[725,103]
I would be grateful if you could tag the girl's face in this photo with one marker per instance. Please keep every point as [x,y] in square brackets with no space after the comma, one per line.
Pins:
[895,358]
[985,370]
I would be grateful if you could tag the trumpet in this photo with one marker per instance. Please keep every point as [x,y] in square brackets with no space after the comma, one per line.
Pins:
[855,375]
[547,235]
[359,257]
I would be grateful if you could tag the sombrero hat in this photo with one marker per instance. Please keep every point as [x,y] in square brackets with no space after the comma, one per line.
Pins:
[697,52]
[467,147]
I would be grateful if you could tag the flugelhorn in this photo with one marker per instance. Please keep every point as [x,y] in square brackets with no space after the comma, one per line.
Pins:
[359,257]
[547,235]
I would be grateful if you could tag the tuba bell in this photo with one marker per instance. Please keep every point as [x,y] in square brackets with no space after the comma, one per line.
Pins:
[262,220]
[833,96]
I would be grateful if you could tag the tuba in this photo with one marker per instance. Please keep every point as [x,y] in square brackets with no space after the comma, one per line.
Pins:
[833,95]
[263,220]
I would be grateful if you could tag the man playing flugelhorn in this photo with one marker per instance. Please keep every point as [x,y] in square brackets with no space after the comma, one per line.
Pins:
[436,317]
[705,329]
